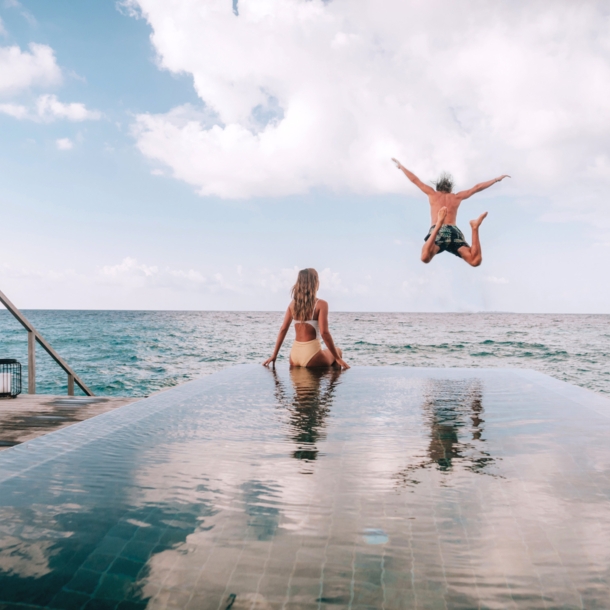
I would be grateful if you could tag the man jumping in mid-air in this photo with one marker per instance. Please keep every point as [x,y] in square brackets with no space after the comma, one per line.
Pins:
[444,204]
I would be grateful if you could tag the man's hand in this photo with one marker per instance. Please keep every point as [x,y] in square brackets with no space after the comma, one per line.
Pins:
[270,361]
[500,178]
[397,162]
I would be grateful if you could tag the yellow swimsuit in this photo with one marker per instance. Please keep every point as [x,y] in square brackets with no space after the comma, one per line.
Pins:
[303,351]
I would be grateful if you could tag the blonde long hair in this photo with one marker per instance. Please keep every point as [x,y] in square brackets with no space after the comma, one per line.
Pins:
[304,294]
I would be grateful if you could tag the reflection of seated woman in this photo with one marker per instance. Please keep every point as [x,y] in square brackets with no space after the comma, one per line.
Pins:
[313,388]
[308,407]
[311,321]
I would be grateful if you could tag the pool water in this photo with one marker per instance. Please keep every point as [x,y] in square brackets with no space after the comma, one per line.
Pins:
[379,487]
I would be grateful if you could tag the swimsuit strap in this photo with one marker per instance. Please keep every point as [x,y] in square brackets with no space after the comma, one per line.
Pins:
[313,313]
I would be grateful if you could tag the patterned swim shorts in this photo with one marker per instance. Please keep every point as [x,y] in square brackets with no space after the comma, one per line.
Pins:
[449,238]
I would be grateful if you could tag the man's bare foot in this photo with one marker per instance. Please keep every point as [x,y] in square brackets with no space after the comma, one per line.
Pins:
[440,219]
[475,224]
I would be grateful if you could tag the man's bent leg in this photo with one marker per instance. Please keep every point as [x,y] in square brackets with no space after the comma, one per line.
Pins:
[465,252]
[473,255]
[430,248]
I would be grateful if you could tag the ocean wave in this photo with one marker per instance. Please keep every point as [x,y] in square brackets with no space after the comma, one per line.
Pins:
[138,353]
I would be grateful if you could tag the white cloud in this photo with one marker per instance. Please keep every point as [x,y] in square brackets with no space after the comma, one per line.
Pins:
[17,111]
[275,281]
[64,144]
[20,70]
[492,279]
[133,284]
[133,274]
[23,70]
[22,11]
[127,7]
[128,267]
[48,109]
[24,273]
[331,281]
[310,94]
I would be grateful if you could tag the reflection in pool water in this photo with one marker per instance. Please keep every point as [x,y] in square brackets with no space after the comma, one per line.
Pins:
[308,406]
[196,498]
[452,410]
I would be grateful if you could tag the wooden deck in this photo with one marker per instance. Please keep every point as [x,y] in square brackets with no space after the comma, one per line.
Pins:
[31,415]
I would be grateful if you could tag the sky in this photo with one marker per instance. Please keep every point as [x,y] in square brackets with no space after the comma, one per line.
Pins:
[191,154]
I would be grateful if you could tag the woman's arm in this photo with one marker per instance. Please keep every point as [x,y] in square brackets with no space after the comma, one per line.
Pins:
[280,337]
[330,344]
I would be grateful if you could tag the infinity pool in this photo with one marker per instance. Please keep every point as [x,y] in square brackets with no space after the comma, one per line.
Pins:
[380,487]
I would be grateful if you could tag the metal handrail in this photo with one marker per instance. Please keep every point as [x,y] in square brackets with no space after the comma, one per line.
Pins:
[33,336]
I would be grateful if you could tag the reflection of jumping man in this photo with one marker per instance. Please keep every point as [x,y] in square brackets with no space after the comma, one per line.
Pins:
[444,234]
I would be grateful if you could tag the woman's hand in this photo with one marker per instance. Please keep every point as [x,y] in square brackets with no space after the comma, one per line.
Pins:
[342,363]
[269,361]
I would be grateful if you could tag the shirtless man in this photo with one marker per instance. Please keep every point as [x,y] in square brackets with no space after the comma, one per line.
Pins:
[444,204]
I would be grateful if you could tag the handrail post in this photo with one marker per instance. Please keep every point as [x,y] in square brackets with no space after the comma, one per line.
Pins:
[31,362]
[70,385]
[34,336]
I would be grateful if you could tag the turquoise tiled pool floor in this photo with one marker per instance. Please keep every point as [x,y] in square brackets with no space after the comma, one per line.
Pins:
[380,487]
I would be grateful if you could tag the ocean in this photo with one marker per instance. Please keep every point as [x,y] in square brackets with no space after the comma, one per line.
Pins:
[137,353]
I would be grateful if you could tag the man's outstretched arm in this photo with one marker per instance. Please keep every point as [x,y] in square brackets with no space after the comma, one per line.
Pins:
[477,188]
[414,179]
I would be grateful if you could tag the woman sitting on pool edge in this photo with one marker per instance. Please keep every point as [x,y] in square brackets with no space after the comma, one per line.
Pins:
[310,316]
